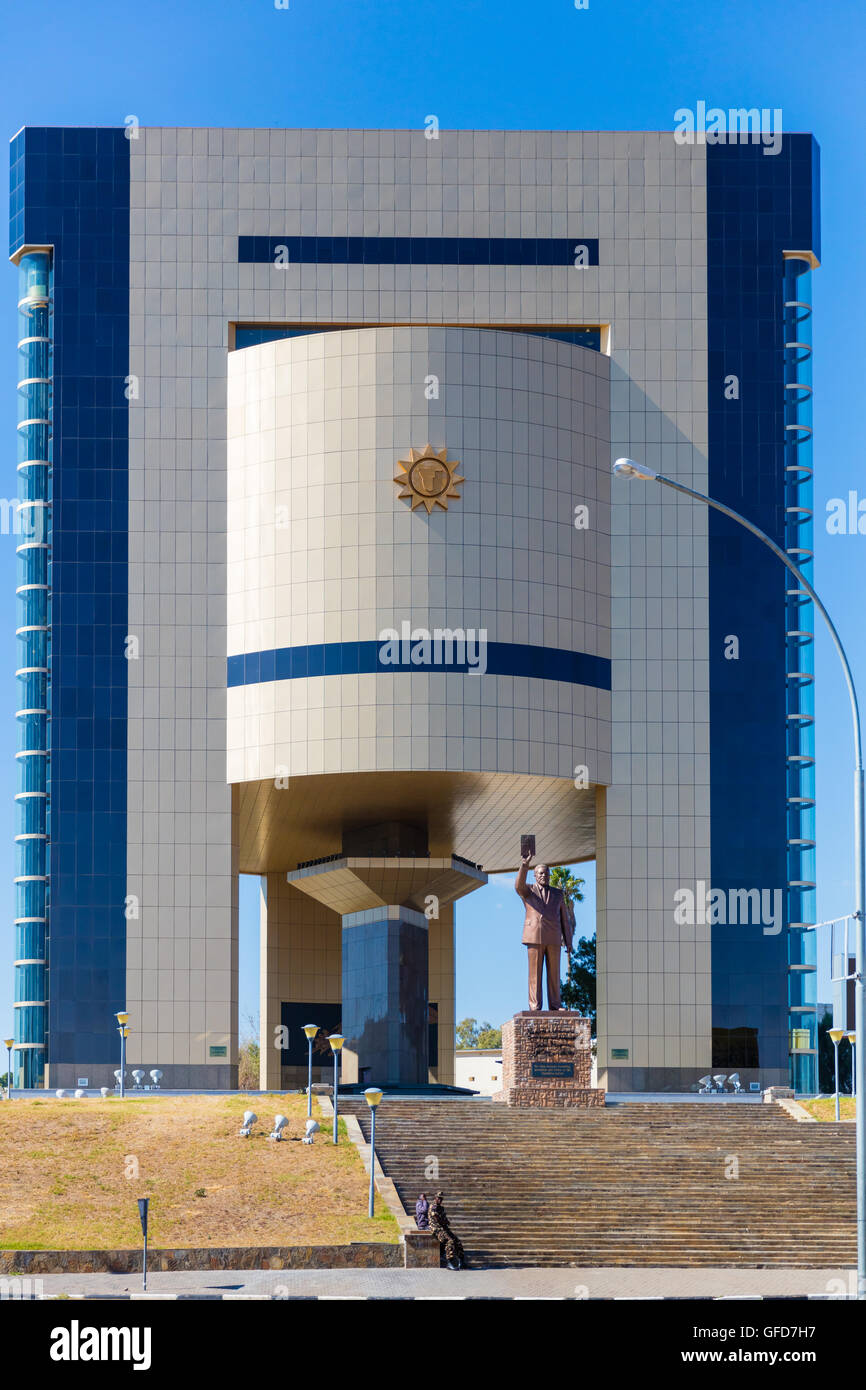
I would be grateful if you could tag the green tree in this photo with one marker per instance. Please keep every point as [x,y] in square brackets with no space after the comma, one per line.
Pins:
[248,1056]
[569,884]
[471,1033]
[579,985]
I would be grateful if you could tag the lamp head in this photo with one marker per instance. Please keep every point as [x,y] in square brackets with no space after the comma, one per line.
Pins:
[310,1031]
[627,468]
[852,1037]
[8,1043]
[836,1036]
[122,1019]
[336,1040]
[372,1095]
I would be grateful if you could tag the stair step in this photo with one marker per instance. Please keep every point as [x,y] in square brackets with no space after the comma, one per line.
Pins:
[637,1184]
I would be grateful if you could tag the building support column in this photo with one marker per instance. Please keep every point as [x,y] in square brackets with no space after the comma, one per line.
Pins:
[385,1021]
[300,963]
[440,992]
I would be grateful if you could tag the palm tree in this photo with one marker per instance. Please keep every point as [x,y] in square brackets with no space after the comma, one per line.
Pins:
[578,987]
[570,885]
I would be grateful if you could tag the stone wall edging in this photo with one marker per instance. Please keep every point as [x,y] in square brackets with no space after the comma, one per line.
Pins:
[357,1255]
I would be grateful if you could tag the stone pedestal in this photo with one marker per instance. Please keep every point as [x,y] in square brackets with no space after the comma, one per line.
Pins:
[547,1063]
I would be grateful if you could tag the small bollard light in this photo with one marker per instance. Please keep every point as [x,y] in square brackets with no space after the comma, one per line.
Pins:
[142,1216]
[336,1040]
[310,1031]
[372,1096]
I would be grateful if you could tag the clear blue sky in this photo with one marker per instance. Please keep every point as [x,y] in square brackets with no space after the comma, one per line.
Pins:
[620,64]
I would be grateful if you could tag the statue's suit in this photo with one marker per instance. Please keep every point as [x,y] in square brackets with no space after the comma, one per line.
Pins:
[548,926]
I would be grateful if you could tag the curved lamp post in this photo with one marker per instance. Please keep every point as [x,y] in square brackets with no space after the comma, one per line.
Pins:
[336,1040]
[628,468]
[8,1043]
[372,1095]
[310,1031]
[836,1035]
[122,1021]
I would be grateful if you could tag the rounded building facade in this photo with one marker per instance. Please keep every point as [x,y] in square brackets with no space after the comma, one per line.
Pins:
[418,611]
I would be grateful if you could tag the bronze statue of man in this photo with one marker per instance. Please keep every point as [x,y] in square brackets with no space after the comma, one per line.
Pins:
[548,927]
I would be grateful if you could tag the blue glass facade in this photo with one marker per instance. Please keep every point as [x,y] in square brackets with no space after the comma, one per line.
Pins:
[70,194]
[35,366]
[758,208]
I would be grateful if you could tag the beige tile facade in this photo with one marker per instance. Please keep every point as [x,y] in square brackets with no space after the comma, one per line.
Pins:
[193,193]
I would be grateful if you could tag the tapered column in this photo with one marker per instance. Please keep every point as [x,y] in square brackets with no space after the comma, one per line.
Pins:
[385,964]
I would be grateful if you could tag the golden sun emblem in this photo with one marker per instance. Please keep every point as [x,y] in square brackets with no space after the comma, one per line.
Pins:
[428,478]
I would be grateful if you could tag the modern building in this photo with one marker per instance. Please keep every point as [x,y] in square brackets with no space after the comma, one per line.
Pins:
[323,578]
[478,1069]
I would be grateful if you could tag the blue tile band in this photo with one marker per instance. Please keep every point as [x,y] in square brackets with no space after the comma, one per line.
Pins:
[417,250]
[364,658]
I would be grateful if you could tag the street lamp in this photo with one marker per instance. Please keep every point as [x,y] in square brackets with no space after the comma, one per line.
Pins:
[836,1036]
[852,1038]
[372,1095]
[122,1021]
[8,1043]
[310,1029]
[336,1040]
[628,468]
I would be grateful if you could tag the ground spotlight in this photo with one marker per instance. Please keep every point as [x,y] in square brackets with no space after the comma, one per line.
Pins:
[310,1128]
[280,1122]
[247,1126]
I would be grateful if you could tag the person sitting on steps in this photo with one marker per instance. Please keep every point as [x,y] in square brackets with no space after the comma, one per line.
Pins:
[455,1257]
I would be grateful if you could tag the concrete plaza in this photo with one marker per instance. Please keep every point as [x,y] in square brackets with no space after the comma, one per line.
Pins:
[522,1283]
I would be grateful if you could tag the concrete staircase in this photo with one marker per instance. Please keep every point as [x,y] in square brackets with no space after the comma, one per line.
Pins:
[632,1184]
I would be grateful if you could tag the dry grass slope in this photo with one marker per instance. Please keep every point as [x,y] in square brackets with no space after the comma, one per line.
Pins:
[825,1109]
[70,1173]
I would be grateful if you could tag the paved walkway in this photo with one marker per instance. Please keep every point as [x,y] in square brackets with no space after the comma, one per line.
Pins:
[445,1284]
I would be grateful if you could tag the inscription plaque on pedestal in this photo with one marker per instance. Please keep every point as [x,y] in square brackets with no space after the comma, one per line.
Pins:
[547,1061]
